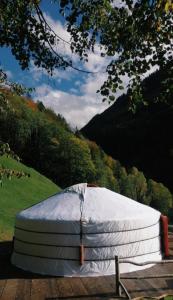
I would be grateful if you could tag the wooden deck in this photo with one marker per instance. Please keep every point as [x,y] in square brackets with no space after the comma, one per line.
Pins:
[16,284]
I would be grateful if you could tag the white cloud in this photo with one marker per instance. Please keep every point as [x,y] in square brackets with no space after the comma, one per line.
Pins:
[80,102]
[58,75]
[95,62]
[9,74]
[63,44]
[77,110]
[58,28]
[36,73]
[74,91]
[77,83]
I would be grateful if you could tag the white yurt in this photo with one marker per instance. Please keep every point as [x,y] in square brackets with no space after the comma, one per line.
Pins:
[78,232]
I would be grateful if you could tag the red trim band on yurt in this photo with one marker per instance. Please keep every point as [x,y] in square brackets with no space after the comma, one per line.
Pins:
[164,231]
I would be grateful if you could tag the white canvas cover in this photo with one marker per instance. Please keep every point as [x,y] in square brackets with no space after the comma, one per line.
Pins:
[48,235]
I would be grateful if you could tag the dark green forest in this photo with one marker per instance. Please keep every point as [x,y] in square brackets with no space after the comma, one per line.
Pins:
[142,139]
[44,141]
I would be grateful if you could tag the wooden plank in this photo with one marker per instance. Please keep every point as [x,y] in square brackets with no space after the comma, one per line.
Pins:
[91,285]
[168,268]
[23,289]
[2,285]
[148,287]
[9,291]
[110,283]
[20,289]
[169,283]
[140,287]
[27,289]
[64,288]
[104,288]
[53,288]
[78,287]
[40,289]
[161,283]
[88,286]
[97,286]
[132,285]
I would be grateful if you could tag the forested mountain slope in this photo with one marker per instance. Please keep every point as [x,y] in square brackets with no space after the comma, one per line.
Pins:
[45,142]
[143,139]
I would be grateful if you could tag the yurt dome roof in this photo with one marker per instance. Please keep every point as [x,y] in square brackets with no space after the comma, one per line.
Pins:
[98,204]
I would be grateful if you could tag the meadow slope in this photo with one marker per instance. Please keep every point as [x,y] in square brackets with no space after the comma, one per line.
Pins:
[17,194]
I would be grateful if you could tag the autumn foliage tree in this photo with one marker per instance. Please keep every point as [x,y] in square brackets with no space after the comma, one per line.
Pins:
[159,196]
[75,162]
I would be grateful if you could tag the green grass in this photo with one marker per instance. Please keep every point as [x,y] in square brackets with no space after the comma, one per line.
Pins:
[17,194]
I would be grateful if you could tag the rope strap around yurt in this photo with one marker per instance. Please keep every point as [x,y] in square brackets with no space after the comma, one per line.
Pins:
[164,235]
[81,248]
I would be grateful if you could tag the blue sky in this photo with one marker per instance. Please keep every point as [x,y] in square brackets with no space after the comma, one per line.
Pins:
[69,92]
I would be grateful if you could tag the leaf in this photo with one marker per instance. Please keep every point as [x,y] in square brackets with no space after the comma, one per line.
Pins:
[111,97]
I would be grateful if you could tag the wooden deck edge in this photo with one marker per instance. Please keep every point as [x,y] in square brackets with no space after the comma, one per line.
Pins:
[149,297]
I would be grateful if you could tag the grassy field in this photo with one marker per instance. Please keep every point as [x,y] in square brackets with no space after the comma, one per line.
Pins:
[17,194]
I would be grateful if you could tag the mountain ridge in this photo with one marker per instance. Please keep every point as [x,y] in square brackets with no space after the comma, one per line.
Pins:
[142,139]
[44,141]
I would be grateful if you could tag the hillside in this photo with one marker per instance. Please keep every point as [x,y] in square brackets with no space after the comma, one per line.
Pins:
[17,194]
[143,139]
[45,142]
